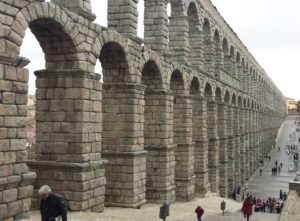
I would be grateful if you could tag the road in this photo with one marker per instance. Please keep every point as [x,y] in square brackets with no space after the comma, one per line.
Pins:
[269,185]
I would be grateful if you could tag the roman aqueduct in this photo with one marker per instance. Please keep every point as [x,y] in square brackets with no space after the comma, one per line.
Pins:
[184,112]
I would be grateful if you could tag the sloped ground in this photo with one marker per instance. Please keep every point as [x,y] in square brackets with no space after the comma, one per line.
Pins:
[149,212]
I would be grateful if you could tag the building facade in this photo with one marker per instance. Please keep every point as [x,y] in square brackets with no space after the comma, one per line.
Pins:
[182,113]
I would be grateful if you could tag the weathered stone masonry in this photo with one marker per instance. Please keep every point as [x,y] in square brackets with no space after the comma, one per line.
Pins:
[185,112]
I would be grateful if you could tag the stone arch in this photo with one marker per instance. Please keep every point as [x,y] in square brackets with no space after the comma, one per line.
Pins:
[244,102]
[233,99]
[108,37]
[58,36]
[227,97]
[155,59]
[225,47]
[154,115]
[114,63]
[177,82]
[118,110]
[195,86]
[208,49]
[195,34]
[208,93]
[218,94]
[181,135]
[240,102]
[218,62]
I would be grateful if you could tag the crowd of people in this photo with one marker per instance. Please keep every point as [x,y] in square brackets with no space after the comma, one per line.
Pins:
[271,205]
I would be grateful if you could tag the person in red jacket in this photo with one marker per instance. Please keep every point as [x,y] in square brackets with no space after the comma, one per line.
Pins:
[247,208]
[199,211]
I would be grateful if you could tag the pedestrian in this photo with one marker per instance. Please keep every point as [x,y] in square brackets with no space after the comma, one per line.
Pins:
[260,171]
[279,169]
[247,208]
[269,158]
[284,196]
[199,212]
[281,165]
[52,205]
[280,195]
[278,148]
[234,194]
[276,163]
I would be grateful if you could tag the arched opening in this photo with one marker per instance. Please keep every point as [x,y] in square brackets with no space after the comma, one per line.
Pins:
[219,63]
[233,62]
[222,153]
[117,120]
[196,111]
[32,50]
[212,133]
[58,133]
[227,60]
[115,68]
[155,140]
[195,49]
[239,66]
[180,136]
[208,52]
[208,91]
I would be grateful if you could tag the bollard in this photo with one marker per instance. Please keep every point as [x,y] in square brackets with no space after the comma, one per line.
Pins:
[223,206]
[164,211]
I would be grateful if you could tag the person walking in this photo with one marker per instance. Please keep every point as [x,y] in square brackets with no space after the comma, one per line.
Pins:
[199,212]
[247,208]
[52,205]
[260,171]
[281,195]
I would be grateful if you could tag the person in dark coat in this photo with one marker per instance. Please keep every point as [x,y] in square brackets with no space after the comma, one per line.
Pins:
[281,195]
[199,211]
[52,205]
[247,208]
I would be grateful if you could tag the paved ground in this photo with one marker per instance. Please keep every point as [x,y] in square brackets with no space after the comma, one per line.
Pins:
[269,185]
[260,186]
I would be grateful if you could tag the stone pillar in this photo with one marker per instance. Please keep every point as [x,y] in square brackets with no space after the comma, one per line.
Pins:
[156,25]
[213,146]
[122,16]
[160,160]
[80,7]
[15,179]
[247,143]
[178,34]
[122,144]
[223,153]
[184,151]
[201,146]
[237,147]
[219,61]
[243,144]
[252,142]
[230,149]
[209,55]
[68,139]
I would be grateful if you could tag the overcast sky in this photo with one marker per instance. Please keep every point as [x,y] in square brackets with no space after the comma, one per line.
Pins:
[269,28]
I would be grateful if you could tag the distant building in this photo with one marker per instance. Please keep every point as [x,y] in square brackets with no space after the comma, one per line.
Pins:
[291,105]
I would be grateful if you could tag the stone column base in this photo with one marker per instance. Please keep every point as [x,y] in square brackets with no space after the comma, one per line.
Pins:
[83,184]
[126,179]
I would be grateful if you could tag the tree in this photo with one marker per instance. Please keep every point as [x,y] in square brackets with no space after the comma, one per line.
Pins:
[298,106]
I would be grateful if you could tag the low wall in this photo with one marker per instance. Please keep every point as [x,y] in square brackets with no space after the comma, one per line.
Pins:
[288,211]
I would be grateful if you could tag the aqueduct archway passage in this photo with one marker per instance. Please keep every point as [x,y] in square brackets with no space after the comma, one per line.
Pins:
[173,112]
